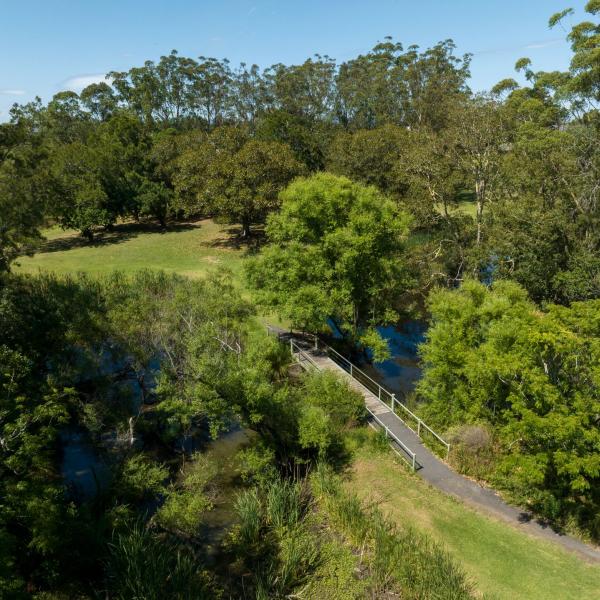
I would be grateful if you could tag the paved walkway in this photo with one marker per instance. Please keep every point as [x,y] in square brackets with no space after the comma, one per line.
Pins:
[438,474]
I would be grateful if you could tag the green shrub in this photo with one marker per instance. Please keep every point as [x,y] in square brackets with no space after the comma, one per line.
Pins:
[257,464]
[188,499]
[141,478]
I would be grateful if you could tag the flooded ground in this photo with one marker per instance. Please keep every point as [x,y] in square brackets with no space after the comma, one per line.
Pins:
[83,470]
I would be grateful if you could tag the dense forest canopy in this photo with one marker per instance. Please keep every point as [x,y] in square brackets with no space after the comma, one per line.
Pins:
[368,190]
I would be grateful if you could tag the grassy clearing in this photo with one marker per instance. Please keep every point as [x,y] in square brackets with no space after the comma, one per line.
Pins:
[467,207]
[191,249]
[503,562]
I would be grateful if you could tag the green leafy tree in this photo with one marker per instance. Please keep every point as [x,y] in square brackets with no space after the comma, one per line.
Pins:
[307,138]
[77,197]
[99,99]
[543,226]
[371,157]
[155,199]
[20,216]
[492,356]
[244,187]
[391,85]
[583,82]
[335,251]
[306,89]
[191,167]
[479,140]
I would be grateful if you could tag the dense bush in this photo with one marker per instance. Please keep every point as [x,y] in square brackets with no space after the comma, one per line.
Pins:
[492,356]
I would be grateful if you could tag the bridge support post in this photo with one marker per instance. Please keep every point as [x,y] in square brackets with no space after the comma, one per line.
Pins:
[419,428]
[393,403]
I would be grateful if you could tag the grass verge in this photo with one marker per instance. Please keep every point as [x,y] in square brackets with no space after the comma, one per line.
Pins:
[503,562]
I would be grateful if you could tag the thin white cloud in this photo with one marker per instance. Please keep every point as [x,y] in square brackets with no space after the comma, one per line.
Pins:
[530,46]
[79,82]
[545,44]
[12,92]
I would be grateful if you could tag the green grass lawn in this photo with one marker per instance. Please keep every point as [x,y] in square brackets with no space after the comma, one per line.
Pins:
[503,562]
[467,207]
[188,249]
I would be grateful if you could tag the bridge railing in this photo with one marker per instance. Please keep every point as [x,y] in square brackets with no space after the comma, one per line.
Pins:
[410,419]
[302,356]
[307,362]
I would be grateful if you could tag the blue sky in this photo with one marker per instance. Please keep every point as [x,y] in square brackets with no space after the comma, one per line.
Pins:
[50,45]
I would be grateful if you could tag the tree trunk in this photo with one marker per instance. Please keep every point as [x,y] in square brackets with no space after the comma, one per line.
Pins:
[480,194]
[245,228]
[131,431]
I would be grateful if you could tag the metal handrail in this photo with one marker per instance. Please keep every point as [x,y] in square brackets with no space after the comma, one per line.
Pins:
[382,391]
[296,351]
[390,433]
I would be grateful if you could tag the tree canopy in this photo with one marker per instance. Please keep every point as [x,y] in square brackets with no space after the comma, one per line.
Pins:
[492,357]
[336,252]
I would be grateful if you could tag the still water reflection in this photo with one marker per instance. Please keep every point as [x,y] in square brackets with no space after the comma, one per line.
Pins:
[401,372]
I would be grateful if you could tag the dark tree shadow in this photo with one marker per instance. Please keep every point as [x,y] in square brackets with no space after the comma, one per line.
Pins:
[233,239]
[118,234]
[527,517]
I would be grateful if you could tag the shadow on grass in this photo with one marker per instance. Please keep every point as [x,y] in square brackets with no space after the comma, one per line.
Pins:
[233,239]
[118,234]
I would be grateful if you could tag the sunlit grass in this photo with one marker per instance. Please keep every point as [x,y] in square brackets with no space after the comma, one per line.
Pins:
[192,249]
[189,249]
[502,561]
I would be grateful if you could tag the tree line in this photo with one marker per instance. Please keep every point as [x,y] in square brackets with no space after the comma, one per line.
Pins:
[183,138]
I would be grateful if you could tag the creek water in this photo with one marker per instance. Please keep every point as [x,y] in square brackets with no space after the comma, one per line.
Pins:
[83,470]
[223,451]
[86,474]
[401,372]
